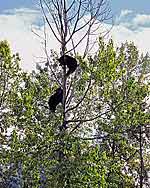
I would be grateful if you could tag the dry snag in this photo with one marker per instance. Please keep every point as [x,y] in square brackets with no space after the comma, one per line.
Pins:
[73,23]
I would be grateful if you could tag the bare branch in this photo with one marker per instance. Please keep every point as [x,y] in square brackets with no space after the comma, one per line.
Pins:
[48,59]
[96,117]
[69,16]
[91,119]
[54,17]
[81,99]
[49,22]
[70,6]
[74,128]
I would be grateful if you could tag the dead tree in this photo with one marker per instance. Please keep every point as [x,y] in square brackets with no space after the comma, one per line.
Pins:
[67,18]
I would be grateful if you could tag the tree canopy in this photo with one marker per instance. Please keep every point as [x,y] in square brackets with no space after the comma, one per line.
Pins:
[106,139]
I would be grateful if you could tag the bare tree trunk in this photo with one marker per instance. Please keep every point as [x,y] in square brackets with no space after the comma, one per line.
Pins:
[63,48]
[65,19]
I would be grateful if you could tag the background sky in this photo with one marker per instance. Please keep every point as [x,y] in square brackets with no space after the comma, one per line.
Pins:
[141,6]
[19,17]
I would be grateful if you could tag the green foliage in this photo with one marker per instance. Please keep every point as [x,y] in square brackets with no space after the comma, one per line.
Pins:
[107,108]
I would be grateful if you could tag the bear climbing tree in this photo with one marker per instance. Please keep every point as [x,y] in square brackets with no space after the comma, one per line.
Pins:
[57,97]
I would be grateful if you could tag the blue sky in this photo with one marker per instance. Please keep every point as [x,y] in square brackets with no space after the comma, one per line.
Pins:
[141,6]
[10,4]
[18,17]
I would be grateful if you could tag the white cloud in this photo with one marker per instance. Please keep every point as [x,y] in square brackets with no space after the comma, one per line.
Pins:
[141,38]
[142,20]
[132,20]
[133,27]
[125,13]
[16,28]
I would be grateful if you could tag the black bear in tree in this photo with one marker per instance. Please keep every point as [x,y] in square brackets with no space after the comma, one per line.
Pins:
[55,99]
[70,62]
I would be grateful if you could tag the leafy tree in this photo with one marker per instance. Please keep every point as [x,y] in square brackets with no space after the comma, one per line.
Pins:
[10,78]
[105,142]
[99,136]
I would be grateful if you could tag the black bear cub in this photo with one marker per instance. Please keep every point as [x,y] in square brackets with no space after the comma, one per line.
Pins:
[55,99]
[70,62]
